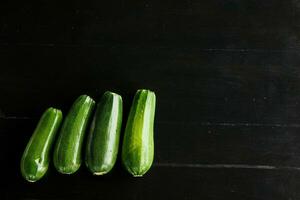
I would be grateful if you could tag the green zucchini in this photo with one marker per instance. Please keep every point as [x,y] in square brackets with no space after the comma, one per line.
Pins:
[67,152]
[36,157]
[103,139]
[138,145]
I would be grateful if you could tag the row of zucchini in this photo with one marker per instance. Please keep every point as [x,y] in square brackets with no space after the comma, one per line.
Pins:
[102,143]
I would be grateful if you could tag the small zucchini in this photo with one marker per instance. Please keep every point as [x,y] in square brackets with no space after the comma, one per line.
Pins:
[103,139]
[67,152]
[138,145]
[36,157]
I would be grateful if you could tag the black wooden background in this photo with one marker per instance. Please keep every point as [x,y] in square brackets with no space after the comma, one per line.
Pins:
[226,74]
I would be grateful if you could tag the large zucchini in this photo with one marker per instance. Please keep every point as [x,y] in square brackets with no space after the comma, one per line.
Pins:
[103,139]
[36,157]
[138,145]
[67,152]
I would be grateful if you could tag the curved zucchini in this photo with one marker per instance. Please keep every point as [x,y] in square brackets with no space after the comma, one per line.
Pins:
[36,157]
[67,152]
[138,145]
[103,139]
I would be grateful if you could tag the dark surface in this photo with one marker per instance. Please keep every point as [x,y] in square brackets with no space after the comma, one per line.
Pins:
[226,74]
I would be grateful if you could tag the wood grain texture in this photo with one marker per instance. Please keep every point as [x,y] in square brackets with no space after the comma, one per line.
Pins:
[226,75]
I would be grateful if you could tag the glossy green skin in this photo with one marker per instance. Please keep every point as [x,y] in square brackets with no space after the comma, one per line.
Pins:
[36,157]
[67,152]
[103,139]
[138,145]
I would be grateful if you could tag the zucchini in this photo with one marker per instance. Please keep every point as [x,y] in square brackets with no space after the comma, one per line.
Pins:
[67,152]
[103,139]
[36,157]
[138,145]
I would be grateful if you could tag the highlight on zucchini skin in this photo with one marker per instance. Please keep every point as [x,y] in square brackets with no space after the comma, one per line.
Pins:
[67,152]
[138,144]
[36,157]
[103,139]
